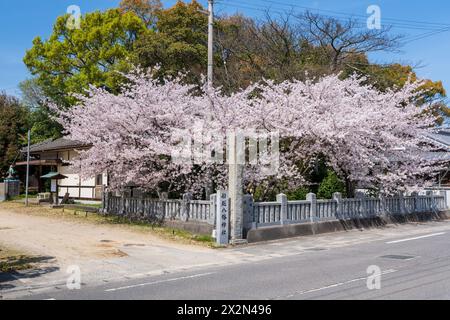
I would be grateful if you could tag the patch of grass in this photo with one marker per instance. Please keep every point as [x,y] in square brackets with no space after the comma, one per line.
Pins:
[179,235]
[22,197]
[91,205]
[11,260]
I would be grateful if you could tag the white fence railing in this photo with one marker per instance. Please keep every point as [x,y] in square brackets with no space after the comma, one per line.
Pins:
[284,212]
[145,209]
[280,212]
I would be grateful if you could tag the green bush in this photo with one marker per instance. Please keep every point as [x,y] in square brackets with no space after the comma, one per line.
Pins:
[299,194]
[330,185]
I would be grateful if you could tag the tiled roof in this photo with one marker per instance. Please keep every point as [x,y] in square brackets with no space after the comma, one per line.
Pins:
[54,145]
[441,137]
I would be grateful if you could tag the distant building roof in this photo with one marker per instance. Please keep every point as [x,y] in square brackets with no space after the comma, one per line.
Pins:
[441,138]
[55,145]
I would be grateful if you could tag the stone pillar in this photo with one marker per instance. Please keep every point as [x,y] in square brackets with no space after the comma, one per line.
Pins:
[249,221]
[122,205]
[213,210]
[361,196]
[222,222]
[105,200]
[142,207]
[384,211]
[401,200]
[444,194]
[415,195]
[312,198]
[339,210]
[433,202]
[187,197]
[282,199]
[236,159]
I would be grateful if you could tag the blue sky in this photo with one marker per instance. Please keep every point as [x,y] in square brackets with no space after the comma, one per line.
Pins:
[22,20]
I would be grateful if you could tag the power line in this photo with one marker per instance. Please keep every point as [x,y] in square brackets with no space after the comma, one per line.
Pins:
[432,31]
[425,35]
[362,19]
[351,14]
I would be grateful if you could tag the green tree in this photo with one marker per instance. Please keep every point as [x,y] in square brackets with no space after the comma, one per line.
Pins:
[330,185]
[72,59]
[13,128]
[43,127]
[177,43]
[144,9]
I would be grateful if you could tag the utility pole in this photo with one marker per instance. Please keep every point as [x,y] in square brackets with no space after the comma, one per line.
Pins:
[210,77]
[234,148]
[28,169]
[210,42]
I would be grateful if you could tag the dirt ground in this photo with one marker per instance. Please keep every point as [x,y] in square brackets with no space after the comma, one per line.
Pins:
[42,231]
[103,251]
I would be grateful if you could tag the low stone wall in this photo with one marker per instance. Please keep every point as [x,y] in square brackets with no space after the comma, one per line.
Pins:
[309,229]
[198,228]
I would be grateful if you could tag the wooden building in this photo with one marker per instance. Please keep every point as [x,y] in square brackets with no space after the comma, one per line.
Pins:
[56,156]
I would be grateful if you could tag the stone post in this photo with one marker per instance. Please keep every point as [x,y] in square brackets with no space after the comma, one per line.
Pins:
[187,197]
[415,195]
[249,221]
[282,200]
[122,204]
[213,213]
[339,210]
[236,160]
[444,194]
[433,201]
[401,200]
[142,202]
[223,218]
[312,198]
[105,200]
[384,211]
[362,209]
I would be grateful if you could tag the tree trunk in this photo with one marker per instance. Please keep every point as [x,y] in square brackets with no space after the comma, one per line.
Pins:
[350,188]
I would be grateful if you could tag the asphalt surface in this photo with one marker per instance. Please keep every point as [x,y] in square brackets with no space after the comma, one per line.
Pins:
[413,266]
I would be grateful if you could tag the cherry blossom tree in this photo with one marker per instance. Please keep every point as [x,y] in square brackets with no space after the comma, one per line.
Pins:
[368,137]
[377,139]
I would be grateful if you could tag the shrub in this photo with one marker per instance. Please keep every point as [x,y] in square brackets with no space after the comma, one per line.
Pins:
[330,185]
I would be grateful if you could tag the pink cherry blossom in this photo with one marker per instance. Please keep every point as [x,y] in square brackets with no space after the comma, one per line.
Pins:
[369,137]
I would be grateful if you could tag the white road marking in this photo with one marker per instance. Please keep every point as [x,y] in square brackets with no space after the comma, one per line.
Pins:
[416,238]
[160,281]
[337,284]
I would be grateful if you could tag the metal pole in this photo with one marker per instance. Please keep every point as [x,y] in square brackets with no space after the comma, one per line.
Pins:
[210,42]
[28,169]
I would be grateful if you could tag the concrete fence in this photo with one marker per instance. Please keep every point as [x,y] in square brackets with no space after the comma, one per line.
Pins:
[147,209]
[284,212]
[202,215]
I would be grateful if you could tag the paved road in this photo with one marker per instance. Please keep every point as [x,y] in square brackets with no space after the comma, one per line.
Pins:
[415,264]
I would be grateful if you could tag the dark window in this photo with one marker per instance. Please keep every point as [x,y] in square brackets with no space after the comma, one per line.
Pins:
[99,180]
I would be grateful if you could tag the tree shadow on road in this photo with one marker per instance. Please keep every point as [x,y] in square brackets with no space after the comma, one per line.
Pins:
[16,268]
